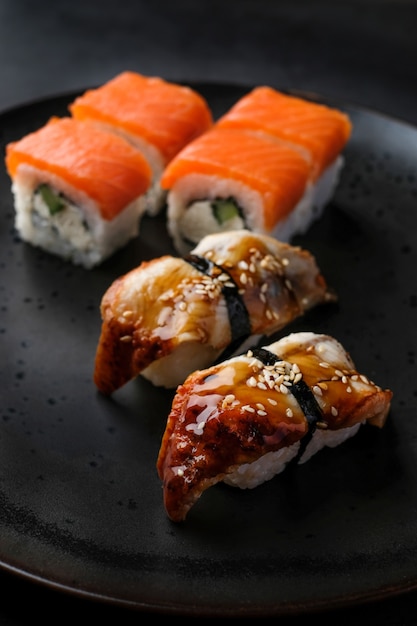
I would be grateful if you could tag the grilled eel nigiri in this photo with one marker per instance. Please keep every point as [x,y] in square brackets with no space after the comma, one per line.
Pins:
[172,315]
[241,421]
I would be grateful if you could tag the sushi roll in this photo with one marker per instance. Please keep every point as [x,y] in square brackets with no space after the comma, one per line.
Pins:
[244,420]
[233,178]
[157,116]
[78,190]
[230,179]
[172,315]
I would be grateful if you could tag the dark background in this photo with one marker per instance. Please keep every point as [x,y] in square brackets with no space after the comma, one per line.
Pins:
[362,52]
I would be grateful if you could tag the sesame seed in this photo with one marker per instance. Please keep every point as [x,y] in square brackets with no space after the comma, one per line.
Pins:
[270,382]
[127,313]
[283,389]
[272,401]
[317,390]
[182,306]
[289,412]
[261,413]
[248,408]
[262,386]
[324,364]
[334,411]
[251,382]
[126,338]
[349,389]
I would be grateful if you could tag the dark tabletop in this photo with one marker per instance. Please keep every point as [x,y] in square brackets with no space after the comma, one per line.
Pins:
[363,52]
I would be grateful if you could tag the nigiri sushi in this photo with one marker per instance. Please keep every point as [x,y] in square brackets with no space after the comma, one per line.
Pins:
[157,116]
[233,178]
[78,190]
[245,419]
[172,315]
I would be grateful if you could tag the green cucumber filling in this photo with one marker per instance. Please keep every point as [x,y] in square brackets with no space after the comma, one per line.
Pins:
[204,217]
[53,200]
[225,210]
[55,215]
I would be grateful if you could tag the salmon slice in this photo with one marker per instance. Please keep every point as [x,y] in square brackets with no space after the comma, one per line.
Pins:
[99,164]
[275,170]
[165,115]
[322,130]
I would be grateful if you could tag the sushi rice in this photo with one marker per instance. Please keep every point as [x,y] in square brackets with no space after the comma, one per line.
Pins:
[251,475]
[191,216]
[75,234]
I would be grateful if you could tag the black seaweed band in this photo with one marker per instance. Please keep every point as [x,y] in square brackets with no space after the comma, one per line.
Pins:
[302,393]
[239,320]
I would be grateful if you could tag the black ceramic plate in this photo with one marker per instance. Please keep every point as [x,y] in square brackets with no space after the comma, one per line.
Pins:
[80,501]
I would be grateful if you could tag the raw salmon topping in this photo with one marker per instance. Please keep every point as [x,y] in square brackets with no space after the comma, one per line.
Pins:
[102,165]
[166,115]
[322,130]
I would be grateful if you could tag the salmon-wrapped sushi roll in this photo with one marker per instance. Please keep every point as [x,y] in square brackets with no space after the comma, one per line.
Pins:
[79,192]
[157,116]
[235,177]
[229,179]
[172,315]
[243,420]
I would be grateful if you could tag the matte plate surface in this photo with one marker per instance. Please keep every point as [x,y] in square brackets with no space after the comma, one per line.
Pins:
[80,502]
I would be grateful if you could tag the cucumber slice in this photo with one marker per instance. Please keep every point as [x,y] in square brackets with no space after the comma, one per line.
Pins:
[52,200]
[224,210]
